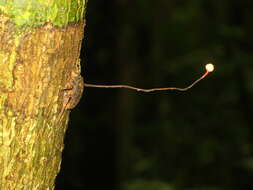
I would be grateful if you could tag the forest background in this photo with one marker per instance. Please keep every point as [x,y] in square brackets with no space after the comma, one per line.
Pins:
[195,140]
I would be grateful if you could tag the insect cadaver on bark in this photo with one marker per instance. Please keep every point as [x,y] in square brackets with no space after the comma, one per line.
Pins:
[73,91]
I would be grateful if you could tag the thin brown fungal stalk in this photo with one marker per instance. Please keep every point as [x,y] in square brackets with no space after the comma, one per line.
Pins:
[209,68]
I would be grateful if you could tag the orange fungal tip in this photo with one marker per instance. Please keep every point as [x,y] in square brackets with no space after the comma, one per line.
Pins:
[209,67]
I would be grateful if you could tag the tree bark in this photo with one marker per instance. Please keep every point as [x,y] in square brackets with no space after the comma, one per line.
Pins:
[39,84]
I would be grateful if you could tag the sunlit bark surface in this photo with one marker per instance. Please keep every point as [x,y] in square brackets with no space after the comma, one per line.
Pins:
[37,66]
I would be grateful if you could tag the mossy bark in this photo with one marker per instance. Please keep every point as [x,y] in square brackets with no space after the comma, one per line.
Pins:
[39,67]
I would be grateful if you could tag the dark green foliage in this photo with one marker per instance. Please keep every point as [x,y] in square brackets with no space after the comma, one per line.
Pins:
[195,140]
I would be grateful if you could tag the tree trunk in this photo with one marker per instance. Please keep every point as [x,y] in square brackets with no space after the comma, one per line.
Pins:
[39,84]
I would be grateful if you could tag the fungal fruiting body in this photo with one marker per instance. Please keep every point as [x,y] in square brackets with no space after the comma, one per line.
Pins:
[209,68]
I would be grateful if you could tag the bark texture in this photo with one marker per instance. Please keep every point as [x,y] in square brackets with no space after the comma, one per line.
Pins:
[39,83]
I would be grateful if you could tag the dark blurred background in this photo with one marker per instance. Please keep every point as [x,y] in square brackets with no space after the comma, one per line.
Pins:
[196,140]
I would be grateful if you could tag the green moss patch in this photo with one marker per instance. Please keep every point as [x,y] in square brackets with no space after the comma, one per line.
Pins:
[38,12]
